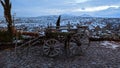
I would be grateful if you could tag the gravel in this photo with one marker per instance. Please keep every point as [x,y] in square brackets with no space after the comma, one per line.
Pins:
[96,56]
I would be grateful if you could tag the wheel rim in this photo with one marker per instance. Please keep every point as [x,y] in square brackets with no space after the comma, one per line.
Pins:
[76,37]
[51,48]
[80,39]
[72,48]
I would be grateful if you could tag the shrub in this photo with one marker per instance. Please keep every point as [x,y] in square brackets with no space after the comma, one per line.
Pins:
[5,36]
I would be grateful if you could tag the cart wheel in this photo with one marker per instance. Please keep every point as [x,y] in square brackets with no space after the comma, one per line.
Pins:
[76,38]
[74,44]
[80,38]
[52,48]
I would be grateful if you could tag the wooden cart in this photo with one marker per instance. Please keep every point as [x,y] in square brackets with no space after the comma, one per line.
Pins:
[64,39]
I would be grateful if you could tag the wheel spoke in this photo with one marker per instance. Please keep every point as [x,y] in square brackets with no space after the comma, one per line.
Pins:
[46,51]
[46,47]
[51,48]
[57,49]
[52,54]
[47,43]
[50,42]
[75,37]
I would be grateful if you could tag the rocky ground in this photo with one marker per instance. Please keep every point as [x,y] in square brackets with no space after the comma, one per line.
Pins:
[103,54]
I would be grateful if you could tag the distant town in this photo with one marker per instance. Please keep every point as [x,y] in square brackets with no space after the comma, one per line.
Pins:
[97,26]
[43,21]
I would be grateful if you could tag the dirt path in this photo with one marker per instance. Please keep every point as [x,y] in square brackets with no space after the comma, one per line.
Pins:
[97,56]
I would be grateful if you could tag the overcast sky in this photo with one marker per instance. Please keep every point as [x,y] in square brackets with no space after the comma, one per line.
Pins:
[98,8]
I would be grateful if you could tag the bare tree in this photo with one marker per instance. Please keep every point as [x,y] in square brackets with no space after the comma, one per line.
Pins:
[7,14]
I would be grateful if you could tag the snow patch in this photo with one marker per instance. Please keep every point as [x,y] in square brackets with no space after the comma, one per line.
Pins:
[64,31]
[110,44]
[3,25]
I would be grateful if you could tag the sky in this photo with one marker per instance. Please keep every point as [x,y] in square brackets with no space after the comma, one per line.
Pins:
[95,8]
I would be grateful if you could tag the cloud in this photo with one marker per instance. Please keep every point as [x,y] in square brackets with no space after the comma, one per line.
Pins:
[57,11]
[37,11]
[56,7]
[74,2]
[81,1]
[111,12]
[94,9]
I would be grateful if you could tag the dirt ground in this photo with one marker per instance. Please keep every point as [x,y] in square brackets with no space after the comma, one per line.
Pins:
[104,54]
